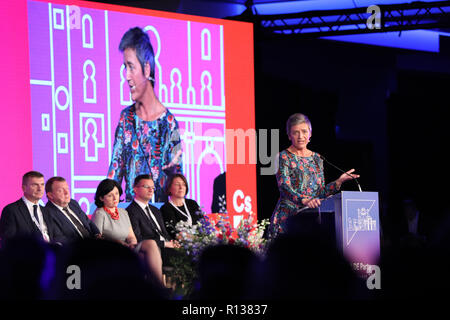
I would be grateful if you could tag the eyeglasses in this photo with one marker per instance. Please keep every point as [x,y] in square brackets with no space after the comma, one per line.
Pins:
[147,187]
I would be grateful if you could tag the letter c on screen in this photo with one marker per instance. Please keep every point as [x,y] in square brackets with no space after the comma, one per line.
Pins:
[238,194]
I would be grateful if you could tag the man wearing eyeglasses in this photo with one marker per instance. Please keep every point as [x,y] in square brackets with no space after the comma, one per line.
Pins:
[146,220]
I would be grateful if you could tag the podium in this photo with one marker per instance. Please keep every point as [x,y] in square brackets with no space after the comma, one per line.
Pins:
[357,225]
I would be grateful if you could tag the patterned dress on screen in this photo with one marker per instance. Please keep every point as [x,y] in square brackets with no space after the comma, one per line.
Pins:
[145,147]
[298,178]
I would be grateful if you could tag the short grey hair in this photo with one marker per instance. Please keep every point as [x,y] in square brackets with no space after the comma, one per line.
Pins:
[137,39]
[295,119]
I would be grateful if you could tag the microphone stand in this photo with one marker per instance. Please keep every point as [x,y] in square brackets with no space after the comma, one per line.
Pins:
[353,178]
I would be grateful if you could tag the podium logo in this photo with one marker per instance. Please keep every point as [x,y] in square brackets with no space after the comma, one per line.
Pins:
[363,222]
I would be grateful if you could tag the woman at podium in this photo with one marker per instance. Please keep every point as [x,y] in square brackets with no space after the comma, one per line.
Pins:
[300,176]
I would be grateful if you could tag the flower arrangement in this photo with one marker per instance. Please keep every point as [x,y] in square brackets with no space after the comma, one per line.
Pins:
[194,238]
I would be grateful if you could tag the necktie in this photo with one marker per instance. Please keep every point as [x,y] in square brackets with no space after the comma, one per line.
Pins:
[36,216]
[36,213]
[153,219]
[78,225]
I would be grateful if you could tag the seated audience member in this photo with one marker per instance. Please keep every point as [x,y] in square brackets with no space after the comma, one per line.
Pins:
[114,224]
[67,213]
[147,220]
[26,217]
[178,208]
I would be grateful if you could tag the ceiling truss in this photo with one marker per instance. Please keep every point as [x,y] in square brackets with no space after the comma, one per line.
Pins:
[382,18]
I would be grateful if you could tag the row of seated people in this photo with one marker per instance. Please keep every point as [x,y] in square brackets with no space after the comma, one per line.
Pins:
[303,264]
[141,227]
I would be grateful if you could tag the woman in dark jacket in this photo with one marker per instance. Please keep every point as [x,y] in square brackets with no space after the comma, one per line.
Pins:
[178,208]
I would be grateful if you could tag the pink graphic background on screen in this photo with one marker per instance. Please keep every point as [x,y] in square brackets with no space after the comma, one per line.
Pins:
[78,92]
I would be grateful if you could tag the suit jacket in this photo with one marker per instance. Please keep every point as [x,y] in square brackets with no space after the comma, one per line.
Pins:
[68,230]
[144,227]
[172,216]
[16,222]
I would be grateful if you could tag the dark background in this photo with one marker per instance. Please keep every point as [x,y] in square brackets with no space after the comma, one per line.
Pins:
[382,111]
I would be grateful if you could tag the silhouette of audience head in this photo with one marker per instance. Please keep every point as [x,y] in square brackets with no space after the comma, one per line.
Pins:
[304,263]
[107,270]
[22,260]
[226,272]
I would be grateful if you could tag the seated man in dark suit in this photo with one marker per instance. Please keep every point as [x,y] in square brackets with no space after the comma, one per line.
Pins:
[67,213]
[26,217]
[146,220]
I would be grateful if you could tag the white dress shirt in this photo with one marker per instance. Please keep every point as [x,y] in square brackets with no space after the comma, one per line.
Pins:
[152,216]
[41,224]
[73,215]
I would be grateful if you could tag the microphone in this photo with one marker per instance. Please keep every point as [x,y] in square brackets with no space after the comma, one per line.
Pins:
[139,84]
[356,180]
